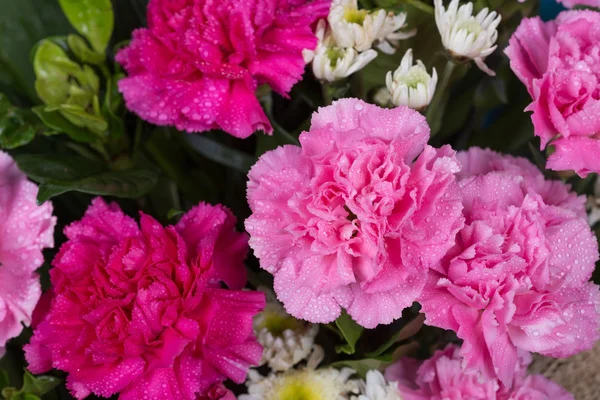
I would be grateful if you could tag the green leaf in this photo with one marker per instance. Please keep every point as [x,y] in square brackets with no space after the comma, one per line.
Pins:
[22,24]
[351,332]
[39,385]
[57,167]
[93,19]
[360,366]
[82,119]
[130,184]
[4,380]
[33,388]
[112,108]
[61,81]
[58,174]
[81,50]
[174,213]
[490,93]
[407,331]
[220,153]
[165,153]
[57,122]
[17,126]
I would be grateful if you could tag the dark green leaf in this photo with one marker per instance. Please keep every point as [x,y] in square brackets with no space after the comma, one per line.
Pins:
[57,122]
[4,380]
[351,332]
[131,183]
[407,331]
[220,153]
[490,93]
[93,19]
[165,153]
[174,213]
[17,126]
[112,107]
[22,24]
[58,167]
[59,174]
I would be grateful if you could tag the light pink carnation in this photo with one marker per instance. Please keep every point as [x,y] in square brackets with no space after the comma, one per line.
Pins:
[354,218]
[517,277]
[559,62]
[442,378]
[478,161]
[573,3]
[142,311]
[199,62]
[25,229]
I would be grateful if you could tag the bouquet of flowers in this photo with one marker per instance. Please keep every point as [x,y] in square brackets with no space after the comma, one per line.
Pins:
[297,199]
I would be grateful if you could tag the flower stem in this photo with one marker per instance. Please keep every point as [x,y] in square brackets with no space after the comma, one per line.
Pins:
[440,92]
[327,93]
[421,6]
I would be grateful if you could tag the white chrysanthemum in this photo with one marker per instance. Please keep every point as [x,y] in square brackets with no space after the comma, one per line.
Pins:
[307,383]
[332,62]
[286,340]
[377,388]
[465,35]
[410,85]
[361,29]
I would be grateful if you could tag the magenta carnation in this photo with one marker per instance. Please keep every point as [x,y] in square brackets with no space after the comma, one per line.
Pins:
[199,62]
[354,218]
[517,277]
[442,378]
[142,310]
[559,62]
[25,229]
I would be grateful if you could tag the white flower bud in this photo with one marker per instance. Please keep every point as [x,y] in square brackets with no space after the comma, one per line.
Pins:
[375,387]
[361,29]
[332,62]
[465,35]
[410,85]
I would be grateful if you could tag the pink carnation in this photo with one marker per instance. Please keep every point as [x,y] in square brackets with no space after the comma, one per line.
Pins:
[142,310]
[559,62]
[354,218]
[478,161]
[199,62]
[25,229]
[517,277]
[442,378]
[573,3]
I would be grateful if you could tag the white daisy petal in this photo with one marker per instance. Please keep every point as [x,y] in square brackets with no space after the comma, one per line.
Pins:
[410,85]
[465,35]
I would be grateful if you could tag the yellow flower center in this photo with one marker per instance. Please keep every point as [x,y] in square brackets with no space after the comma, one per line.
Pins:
[414,76]
[298,386]
[471,26]
[355,16]
[276,323]
[334,54]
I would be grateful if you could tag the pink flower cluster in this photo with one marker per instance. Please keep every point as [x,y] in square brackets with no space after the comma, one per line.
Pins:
[355,217]
[199,63]
[142,310]
[517,276]
[442,377]
[559,62]
[25,229]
